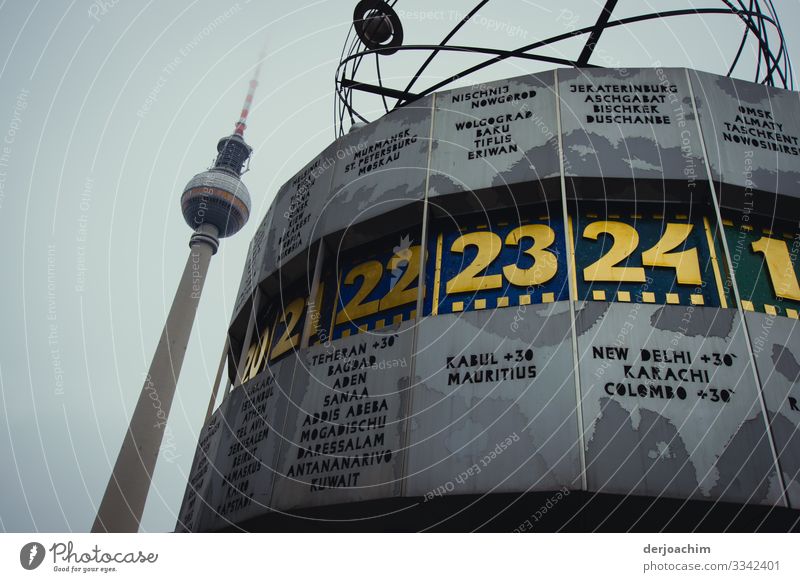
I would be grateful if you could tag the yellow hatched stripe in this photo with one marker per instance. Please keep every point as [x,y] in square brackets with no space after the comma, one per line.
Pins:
[573,274]
[723,302]
[335,301]
[437,275]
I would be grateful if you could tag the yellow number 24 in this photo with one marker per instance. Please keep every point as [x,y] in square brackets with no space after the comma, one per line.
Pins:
[686,263]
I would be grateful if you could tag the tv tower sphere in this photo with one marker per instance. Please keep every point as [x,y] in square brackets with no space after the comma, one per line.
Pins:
[217,196]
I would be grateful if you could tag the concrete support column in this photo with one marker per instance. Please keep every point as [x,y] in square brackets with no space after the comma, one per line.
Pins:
[123,502]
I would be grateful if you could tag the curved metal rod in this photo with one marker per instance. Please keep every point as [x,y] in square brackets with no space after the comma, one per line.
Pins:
[344,102]
[380,81]
[763,37]
[450,35]
[501,54]
[741,47]
[472,49]
[787,62]
[782,55]
[772,67]
[597,31]
[630,20]
[353,72]
[345,94]
[349,107]
[338,110]
[755,21]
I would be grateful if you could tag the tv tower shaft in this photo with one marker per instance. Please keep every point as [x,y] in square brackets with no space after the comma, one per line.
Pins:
[123,503]
[215,204]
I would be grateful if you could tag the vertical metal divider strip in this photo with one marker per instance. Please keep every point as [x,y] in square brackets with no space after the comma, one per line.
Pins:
[288,392]
[251,321]
[333,308]
[723,301]
[254,307]
[197,452]
[412,371]
[321,249]
[215,388]
[313,292]
[248,336]
[277,421]
[279,450]
[737,297]
[437,275]
[572,283]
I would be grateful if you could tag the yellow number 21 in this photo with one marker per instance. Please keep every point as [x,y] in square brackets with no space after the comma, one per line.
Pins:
[779,265]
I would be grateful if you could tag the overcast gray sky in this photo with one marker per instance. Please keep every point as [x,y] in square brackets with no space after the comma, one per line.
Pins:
[107,109]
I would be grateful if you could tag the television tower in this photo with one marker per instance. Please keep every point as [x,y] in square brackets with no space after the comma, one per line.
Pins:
[215,204]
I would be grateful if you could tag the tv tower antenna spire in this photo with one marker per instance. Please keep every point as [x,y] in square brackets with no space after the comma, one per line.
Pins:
[248,100]
[215,204]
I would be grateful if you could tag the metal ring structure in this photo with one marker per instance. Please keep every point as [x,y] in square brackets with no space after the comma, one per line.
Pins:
[759,18]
